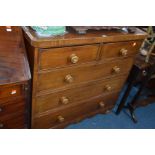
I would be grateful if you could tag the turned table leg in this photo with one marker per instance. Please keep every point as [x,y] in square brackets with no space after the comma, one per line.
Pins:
[131,81]
[132,105]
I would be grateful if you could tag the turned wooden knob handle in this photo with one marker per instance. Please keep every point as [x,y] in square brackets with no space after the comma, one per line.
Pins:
[108,87]
[116,69]
[64,100]
[68,78]
[123,52]
[101,104]
[1,125]
[60,119]
[74,59]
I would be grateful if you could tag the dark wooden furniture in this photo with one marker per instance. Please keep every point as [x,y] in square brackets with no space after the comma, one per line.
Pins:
[14,79]
[140,73]
[76,76]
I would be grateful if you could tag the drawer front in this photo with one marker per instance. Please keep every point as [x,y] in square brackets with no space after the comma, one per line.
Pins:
[74,75]
[11,91]
[78,94]
[120,49]
[59,57]
[67,115]
[12,107]
[13,121]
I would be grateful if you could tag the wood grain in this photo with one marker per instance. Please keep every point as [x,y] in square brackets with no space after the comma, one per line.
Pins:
[70,113]
[11,91]
[79,85]
[14,79]
[80,74]
[60,57]
[53,100]
[13,64]
[72,38]
[14,121]
[113,50]
[13,106]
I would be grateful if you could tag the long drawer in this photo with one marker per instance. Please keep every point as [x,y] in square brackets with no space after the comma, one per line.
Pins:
[102,104]
[70,96]
[72,76]
[12,106]
[66,56]
[13,121]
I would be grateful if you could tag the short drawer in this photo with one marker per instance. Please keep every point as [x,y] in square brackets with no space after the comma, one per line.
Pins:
[60,57]
[77,94]
[75,75]
[120,49]
[67,115]
[11,91]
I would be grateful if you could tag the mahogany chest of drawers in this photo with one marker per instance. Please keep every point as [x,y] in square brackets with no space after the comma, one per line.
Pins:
[76,76]
[14,79]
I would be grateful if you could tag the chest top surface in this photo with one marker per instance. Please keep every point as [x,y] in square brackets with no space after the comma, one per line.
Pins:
[73,38]
[13,63]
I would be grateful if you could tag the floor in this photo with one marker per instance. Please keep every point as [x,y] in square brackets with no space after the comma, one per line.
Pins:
[145,115]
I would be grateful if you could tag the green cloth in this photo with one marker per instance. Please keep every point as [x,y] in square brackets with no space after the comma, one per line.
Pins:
[49,30]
